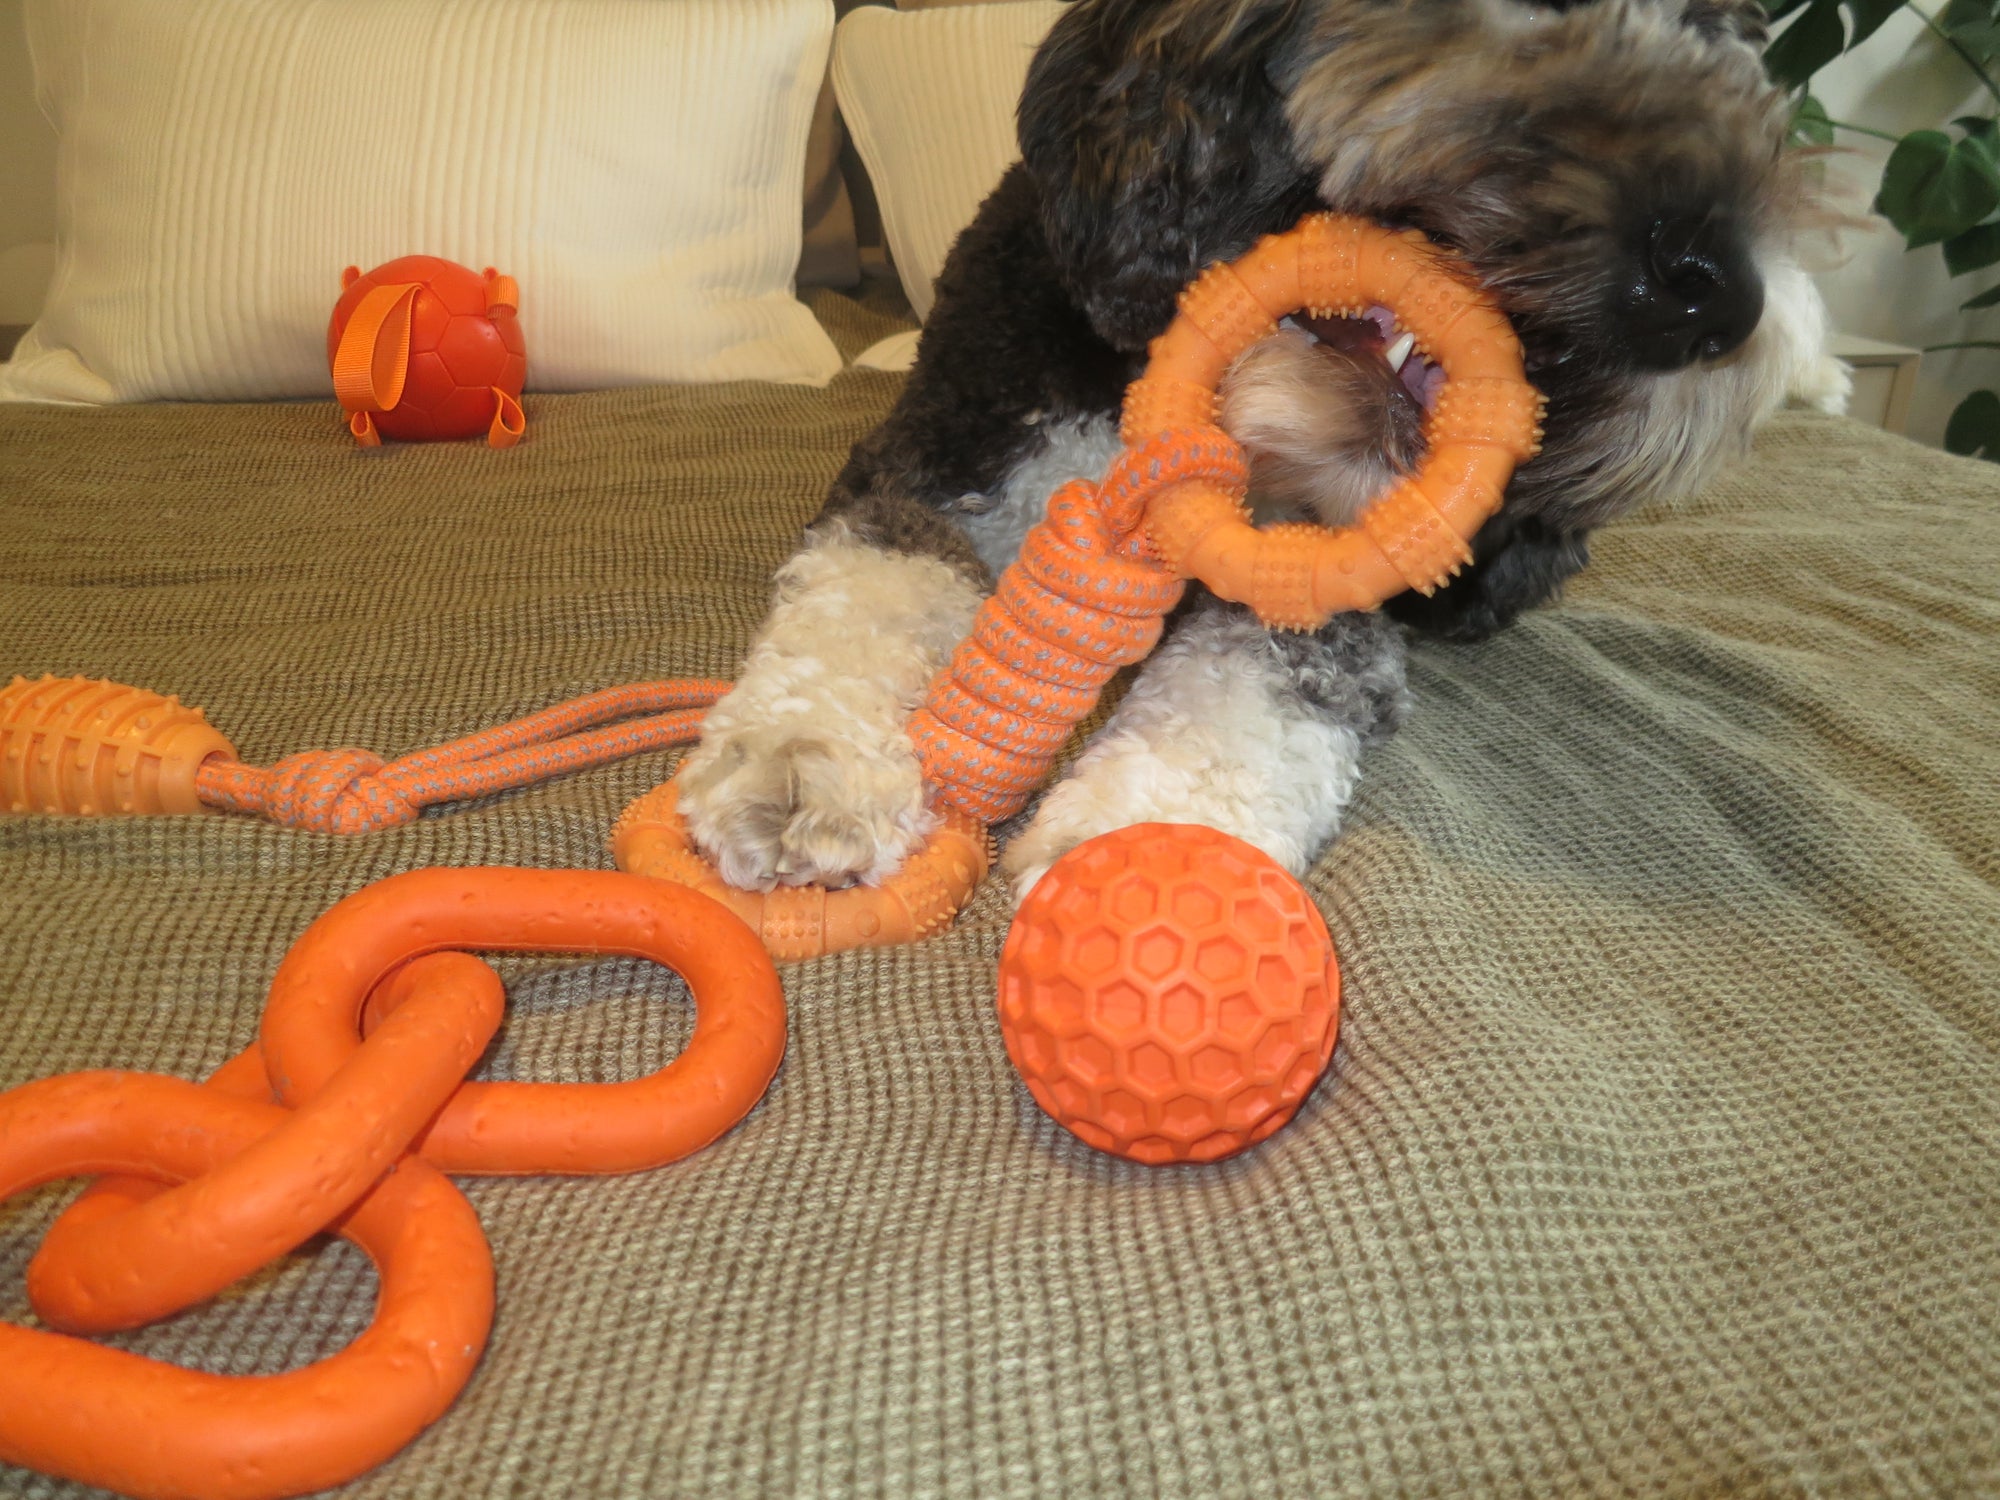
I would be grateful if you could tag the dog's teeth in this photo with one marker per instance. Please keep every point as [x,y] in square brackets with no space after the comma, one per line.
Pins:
[1399,351]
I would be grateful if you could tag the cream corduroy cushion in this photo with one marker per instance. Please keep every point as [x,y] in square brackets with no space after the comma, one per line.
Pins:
[929,97]
[636,165]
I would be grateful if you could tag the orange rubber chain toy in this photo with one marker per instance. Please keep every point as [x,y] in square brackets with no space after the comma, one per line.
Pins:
[1088,594]
[346,1113]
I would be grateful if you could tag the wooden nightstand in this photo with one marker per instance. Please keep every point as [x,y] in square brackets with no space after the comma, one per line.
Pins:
[1885,377]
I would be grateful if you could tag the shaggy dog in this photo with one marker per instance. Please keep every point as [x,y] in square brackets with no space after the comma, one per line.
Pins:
[1614,170]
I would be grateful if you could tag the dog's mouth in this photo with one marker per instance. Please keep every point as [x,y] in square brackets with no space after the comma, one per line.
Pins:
[1373,333]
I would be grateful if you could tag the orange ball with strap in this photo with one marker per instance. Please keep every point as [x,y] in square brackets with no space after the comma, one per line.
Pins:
[424,349]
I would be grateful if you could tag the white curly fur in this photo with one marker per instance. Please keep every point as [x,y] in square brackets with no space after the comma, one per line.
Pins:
[1213,731]
[805,773]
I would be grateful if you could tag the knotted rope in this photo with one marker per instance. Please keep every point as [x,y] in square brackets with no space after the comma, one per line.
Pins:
[1088,594]
[356,791]
[1084,598]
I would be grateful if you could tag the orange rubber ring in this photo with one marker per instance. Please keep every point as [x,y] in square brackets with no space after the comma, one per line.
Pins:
[1486,420]
[312,1023]
[144,1428]
[806,921]
[102,1274]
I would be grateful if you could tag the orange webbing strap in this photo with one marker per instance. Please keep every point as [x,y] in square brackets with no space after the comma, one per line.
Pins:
[356,791]
[509,421]
[501,292]
[373,356]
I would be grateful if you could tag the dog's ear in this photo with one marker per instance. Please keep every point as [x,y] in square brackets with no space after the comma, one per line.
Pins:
[1516,565]
[1158,141]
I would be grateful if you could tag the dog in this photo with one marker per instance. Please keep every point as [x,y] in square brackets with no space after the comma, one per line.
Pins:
[1616,173]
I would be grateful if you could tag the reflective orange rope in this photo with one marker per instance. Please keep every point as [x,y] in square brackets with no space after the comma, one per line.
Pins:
[1083,599]
[1088,594]
[356,791]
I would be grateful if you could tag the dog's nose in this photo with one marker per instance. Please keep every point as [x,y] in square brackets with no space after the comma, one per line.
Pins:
[1692,292]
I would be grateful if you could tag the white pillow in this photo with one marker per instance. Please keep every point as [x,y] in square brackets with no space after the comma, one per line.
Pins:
[635,165]
[929,96]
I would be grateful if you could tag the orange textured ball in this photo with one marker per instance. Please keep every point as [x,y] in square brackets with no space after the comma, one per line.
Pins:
[464,346]
[1169,993]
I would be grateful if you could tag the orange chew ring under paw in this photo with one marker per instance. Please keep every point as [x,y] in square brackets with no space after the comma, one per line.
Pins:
[255,1179]
[798,922]
[1486,420]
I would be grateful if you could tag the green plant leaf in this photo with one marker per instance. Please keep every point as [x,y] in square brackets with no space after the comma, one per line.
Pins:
[1810,125]
[1959,13]
[1973,250]
[1934,187]
[1812,41]
[1868,18]
[1980,38]
[1974,428]
[1777,10]
[1820,34]
[1984,299]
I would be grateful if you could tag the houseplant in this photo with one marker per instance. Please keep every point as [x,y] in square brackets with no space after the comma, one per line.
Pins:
[1939,186]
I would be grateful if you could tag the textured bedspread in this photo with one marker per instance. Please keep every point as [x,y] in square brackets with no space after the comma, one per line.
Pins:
[1661,1154]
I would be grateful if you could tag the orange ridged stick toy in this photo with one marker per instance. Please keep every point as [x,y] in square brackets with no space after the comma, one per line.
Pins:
[321,1125]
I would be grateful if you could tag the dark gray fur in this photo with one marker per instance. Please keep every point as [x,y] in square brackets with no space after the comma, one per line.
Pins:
[1159,136]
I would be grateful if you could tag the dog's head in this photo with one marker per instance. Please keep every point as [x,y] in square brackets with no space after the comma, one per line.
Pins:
[1614,170]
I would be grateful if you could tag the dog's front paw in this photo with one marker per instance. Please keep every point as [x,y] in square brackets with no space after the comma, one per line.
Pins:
[1027,857]
[1116,784]
[791,805]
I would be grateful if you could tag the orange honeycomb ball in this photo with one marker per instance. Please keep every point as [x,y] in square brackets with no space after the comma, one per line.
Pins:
[1169,993]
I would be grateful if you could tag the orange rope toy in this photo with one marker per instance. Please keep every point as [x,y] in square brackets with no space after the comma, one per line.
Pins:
[345,1114]
[1091,588]
[77,745]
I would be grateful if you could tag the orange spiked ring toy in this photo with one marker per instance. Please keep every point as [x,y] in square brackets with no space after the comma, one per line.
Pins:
[1094,581]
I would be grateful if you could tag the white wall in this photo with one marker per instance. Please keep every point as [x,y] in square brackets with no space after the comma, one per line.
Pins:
[27,178]
[1902,80]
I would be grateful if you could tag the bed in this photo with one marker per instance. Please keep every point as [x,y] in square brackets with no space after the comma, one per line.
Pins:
[1660,1155]
[1661,1151]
